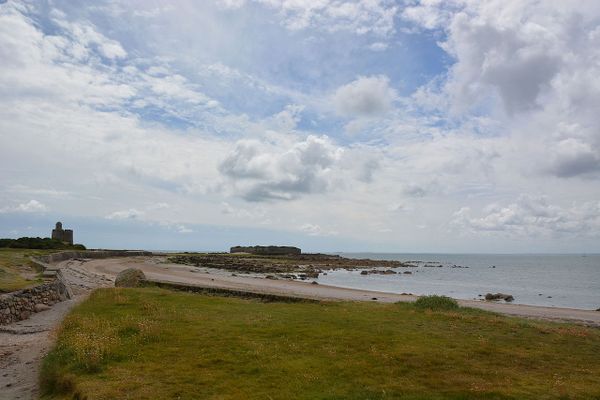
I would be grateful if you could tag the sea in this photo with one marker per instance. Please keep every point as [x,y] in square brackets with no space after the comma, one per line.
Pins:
[553,280]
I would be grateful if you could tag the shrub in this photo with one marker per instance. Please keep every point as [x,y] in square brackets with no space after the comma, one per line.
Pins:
[436,303]
[38,243]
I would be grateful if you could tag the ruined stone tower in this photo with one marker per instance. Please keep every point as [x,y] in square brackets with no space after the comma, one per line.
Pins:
[64,235]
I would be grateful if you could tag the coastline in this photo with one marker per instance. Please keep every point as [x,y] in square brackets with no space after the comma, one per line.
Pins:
[156,269]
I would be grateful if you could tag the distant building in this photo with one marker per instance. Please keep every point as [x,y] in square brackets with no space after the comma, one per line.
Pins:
[64,235]
[266,250]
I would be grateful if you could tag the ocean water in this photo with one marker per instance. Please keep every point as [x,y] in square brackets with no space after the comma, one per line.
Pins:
[555,280]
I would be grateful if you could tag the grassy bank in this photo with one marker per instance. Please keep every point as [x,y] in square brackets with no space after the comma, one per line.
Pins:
[16,270]
[156,344]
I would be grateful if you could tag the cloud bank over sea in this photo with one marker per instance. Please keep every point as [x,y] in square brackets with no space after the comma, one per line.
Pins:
[385,125]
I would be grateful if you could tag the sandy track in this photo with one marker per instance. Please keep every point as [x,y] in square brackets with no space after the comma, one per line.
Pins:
[155,269]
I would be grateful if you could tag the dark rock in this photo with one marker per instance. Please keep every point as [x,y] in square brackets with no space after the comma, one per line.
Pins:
[130,277]
[364,272]
[499,296]
[314,283]
[407,273]
[373,298]
[273,277]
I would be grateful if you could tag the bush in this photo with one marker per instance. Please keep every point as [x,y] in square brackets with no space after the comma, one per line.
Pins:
[436,303]
[38,243]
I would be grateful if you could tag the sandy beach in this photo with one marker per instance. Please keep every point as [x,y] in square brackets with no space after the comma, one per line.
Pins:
[156,269]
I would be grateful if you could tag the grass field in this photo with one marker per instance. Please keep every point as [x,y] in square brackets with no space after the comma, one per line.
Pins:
[157,344]
[16,270]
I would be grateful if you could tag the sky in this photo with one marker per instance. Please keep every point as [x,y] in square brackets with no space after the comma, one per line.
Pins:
[368,125]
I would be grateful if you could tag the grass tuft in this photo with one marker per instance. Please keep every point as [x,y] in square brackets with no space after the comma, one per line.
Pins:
[436,303]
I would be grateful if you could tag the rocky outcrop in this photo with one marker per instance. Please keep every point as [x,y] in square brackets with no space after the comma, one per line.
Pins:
[499,296]
[266,250]
[378,272]
[130,277]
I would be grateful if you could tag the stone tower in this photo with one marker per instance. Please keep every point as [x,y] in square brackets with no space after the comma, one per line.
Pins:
[64,235]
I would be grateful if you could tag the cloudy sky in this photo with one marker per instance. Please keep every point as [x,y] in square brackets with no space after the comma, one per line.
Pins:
[372,125]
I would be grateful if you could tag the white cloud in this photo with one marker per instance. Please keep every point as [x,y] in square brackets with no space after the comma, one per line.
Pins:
[316,230]
[184,229]
[159,206]
[360,17]
[131,213]
[532,65]
[364,97]
[202,126]
[86,37]
[532,215]
[23,189]
[32,206]
[378,46]
[283,170]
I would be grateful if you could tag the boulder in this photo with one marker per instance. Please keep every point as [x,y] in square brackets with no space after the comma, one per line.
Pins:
[130,277]
[499,296]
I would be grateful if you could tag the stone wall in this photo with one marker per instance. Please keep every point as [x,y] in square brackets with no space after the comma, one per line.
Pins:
[266,250]
[19,305]
[66,255]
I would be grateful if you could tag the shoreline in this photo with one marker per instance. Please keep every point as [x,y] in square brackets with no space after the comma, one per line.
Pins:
[156,269]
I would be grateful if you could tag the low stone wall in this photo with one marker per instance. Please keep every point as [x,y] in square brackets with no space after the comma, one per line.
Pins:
[66,255]
[19,305]
[216,291]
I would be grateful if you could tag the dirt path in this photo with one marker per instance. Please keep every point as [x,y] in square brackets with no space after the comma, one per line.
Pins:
[23,344]
[155,268]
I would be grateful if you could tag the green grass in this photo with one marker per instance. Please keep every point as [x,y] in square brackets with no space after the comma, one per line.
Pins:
[14,264]
[436,303]
[156,344]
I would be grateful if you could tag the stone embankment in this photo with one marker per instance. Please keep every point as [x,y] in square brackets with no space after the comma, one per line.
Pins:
[19,305]
[67,255]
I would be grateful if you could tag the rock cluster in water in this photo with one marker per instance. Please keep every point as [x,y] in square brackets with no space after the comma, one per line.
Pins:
[378,272]
[499,296]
